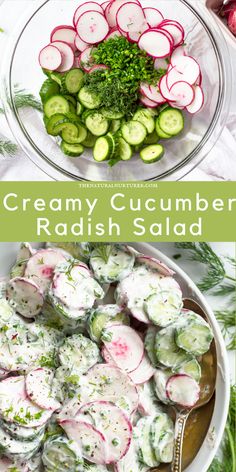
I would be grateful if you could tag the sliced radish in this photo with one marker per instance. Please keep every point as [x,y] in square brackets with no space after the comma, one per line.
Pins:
[86,60]
[148,103]
[183,390]
[168,35]
[92,27]
[113,33]
[198,101]
[143,373]
[79,44]
[125,346]
[104,5]
[25,296]
[130,462]
[114,425]
[153,16]
[152,93]
[165,90]
[178,52]
[112,9]
[106,356]
[173,76]
[98,67]
[161,64]
[199,80]
[16,407]
[38,387]
[155,43]
[130,17]
[91,442]
[67,56]
[183,93]
[87,6]
[50,57]
[41,265]
[189,67]
[175,32]
[64,33]
[134,36]
[154,264]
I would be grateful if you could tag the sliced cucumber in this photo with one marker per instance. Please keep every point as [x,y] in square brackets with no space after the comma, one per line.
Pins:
[48,89]
[71,99]
[103,149]
[56,104]
[60,454]
[149,344]
[152,138]
[145,117]
[90,140]
[111,262]
[57,77]
[115,126]
[123,150]
[73,133]
[134,132]
[192,368]
[72,150]
[195,337]
[18,449]
[101,316]
[97,124]
[20,433]
[167,351]
[162,437]
[171,121]
[161,133]
[146,452]
[152,153]
[79,108]
[74,80]
[88,99]
[111,114]
[56,124]
[79,353]
[160,379]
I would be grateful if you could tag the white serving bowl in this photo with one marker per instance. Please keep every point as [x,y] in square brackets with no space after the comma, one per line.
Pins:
[212,440]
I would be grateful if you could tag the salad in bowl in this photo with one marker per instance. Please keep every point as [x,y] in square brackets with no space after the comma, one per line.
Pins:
[96,350]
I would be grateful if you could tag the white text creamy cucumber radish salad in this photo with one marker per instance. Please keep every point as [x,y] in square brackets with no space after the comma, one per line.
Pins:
[120,81]
[95,346]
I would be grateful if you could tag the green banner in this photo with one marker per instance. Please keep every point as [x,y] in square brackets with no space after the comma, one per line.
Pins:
[165,211]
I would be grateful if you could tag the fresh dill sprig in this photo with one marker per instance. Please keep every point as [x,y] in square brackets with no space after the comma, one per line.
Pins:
[24,99]
[227,463]
[227,318]
[224,289]
[203,253]
[7,148]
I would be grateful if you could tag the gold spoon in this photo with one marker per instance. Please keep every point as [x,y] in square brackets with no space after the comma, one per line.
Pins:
[207,386]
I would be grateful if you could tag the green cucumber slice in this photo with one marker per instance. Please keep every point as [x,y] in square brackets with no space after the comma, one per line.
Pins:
[73,133]
[195,337]
[79,353]
[161,133]
[145,117]
[72,150]
[192,368]
[56,124]
[79,109]
[88,99]
[111,114]
[48,89]
[56,104]
[90,140]
[101,316]
[103,149]
[167,351]
[146,451]
[124,150]
[61,454]
[97,124]
[152,153]
[134,132]
[171,121]
[152,138]
[74,80]
[115,126]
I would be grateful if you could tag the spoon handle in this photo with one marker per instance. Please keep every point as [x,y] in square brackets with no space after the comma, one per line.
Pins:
[180,423]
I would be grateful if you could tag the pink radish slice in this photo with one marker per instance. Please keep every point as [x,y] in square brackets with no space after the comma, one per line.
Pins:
[98,67]
[106,356]
[189,67]
[130,17]
[112,10]
[50,57]
[178,52]
[153,16]
[175,32]
[148,103]
[124,346]
[165,90]
[87,6]
[161,64]
[155,264]
[64,33]
[41,266]
[117,428]
[79,44]
[169,36]
[199,80]
[67,55]
[86,59]
[26,296]
[135,35]
[38,383]
[104,5]
[183,93]
[198,101]
[92,27]
[183,390]
[173,76]
[113,33]
[152,93]
[85,434]
[140,315]
[155,43]
[143,373]
[14,401]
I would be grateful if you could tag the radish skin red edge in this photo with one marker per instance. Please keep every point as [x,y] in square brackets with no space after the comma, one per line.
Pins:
[50,57]
[183,390]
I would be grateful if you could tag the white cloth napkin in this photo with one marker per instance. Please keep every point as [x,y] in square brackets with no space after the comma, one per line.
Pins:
[220,164]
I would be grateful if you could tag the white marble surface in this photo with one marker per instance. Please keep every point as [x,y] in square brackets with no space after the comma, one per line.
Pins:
[220,164]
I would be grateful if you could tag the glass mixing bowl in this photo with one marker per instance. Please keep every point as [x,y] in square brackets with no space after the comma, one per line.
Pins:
[20,66]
